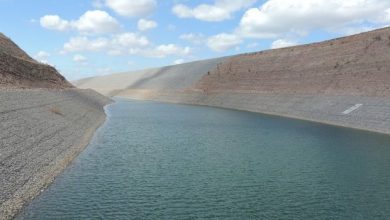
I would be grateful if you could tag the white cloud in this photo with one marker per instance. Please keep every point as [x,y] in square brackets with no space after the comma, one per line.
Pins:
[130,40]
[42,56]
[144,25]
[352,30]
[178,61]
[386,18]
[280,43]
[223,42]
[165,50]
[276,17]
[79,58]
[96,22]
[76,44]
[91,22]
[125,43]
[193,38]
[54,22]
[132,8]
[122,44]
[219,11]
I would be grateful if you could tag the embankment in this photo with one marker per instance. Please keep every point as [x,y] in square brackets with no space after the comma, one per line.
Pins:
[42,131]
[44,124]
[344,82]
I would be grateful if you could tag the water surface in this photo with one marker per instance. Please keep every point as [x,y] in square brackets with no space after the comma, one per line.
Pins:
[163,161]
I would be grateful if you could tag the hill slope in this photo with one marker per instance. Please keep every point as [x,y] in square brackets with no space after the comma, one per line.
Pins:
[344,81]
[172,78]
[355,65]
[41,130]
[19,70]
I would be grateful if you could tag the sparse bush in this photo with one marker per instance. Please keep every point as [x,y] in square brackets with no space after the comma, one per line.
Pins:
[378,38]
[56,110]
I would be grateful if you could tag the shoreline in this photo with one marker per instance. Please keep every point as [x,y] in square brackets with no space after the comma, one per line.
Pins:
[77,126]
[273,114]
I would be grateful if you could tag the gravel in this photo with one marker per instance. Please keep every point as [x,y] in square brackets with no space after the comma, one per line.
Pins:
[41,132]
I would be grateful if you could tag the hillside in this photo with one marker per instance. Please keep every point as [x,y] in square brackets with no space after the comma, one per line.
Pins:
[19,70]
[355,65]
[172,78]
[344,82]
[41,130]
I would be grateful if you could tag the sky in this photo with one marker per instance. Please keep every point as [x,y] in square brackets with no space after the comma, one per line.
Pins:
[84,38]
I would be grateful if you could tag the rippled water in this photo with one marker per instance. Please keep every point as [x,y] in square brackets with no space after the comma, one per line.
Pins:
[164,161]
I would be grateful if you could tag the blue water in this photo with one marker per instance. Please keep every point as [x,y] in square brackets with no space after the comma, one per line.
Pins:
[163,161]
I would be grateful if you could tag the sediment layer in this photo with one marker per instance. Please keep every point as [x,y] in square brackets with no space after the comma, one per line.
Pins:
[41,132]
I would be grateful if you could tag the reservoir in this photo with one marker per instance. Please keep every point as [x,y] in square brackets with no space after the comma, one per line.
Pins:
[164,161]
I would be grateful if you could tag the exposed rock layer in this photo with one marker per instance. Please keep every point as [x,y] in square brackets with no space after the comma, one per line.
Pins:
[19,70]
[356,65]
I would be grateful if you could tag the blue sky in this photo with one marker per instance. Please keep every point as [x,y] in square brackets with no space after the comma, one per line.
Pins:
[83,38]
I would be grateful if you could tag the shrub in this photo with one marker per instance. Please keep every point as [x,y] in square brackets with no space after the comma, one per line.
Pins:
[378,38]
[56,110]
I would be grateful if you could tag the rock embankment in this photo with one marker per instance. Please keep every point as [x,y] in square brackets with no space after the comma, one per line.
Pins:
[41,132]
[357,65]
[19,70]
[344,82]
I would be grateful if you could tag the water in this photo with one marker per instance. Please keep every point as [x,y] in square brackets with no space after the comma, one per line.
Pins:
[164,161]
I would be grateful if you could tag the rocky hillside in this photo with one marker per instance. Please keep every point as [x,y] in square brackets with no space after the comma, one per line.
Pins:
[355,65]
[19,70]
[41,130]
[344,82]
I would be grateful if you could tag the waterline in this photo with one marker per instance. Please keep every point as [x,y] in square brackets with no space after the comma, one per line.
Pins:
[164,161]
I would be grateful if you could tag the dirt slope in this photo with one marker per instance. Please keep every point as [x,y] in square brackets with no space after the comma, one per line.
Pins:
[355,65]
[19,70]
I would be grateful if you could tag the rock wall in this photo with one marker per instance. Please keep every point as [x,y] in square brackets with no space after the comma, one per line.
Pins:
[41,132]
